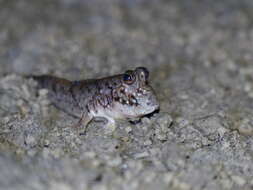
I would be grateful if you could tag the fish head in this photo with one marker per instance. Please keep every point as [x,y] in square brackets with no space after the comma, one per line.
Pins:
[135,97]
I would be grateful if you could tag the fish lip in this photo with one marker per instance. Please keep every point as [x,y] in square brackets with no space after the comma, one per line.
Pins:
[157,107]
[151,114]
[155,103]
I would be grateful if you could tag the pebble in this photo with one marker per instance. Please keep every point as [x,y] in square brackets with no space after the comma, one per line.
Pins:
[161,136]
[146,121]
[238,180]
[246,127]
[164,120]
[31,152]
[43,92]
[45,153]
[182,122]
[99,187]
[147,142]
[115,162]
[57,152]
[150,177]
[30,140]
[6,119]
[128,129]
[59,185]
[177,184]
[141,155]
[168,178]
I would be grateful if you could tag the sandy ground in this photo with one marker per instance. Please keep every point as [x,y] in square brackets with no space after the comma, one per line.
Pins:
[200,57]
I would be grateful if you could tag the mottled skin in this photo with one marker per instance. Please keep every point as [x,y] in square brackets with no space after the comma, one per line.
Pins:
[123,96]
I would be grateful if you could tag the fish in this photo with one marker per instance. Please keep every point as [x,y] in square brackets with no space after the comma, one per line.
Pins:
[126,96]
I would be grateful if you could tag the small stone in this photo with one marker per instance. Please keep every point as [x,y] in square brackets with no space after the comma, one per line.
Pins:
[59,185]
[45,153]
[150,177]
[99,187]
[180,185]
[25,91]
[43,92]
[45,102]
[109,129]
[168,177]
[141,155]
[164,120]
[115,162]
[182,122]
[250,94]
[154,151]
[125,139]
[128,129]
[6,119]
[31,152]
[145,120]
[226,184]
[161,136]
[20,102]
[221,131]
[225,145]
[57,152]
[162,125]
[238,180]
[247,87]
[245,127]
[90,154]
[205,141]
[30,140]
[184,96]
[95,163]
[20,152]
[251,182]
[147,142]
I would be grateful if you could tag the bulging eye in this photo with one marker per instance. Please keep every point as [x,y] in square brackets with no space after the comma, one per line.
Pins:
[127,78]
[144,73]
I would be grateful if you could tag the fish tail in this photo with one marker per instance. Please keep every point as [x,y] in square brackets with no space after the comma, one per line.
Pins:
[51,83]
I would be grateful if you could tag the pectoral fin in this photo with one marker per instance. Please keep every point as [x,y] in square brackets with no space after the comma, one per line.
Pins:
[83,122]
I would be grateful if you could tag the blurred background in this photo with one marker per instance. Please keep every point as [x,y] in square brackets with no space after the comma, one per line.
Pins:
[104,37]
[199,54]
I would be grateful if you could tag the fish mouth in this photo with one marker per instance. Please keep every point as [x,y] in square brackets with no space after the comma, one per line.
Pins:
[155,108]
[151,114]
[153,102]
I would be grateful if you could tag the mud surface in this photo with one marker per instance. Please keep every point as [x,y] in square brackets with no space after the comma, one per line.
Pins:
[200,57]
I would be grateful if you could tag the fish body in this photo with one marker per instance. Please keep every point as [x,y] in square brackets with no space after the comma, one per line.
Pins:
[123,96]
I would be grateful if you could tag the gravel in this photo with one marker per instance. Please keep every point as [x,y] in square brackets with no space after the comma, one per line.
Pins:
[199,55]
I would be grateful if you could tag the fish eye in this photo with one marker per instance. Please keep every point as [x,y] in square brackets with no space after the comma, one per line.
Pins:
[144,73]
[127,78]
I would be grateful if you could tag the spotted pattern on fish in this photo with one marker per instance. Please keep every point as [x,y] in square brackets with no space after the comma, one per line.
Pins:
[122,96]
